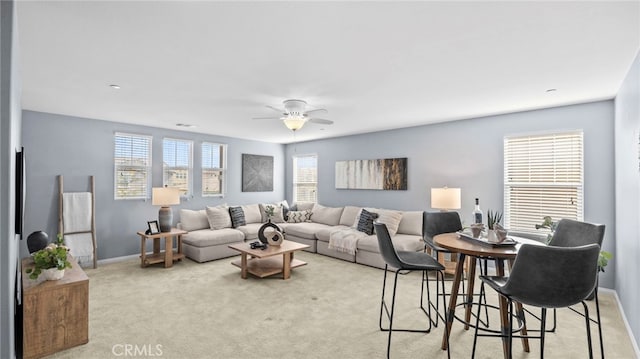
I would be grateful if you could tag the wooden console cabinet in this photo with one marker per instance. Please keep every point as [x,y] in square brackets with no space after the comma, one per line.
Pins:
[55,313]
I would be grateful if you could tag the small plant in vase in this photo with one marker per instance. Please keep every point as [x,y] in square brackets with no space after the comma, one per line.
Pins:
[270,212]
[52,260]
[496,232]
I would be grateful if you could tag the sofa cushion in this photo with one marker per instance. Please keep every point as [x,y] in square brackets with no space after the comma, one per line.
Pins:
[299,216]
[349,214]
[391,219]
[219,217]
[252,213]
[237,216]
[193,220]
[401,242]
[210,237]
[303,230]
[411,223]
[278,214]
[365,221]
[250,230]
[303,206]
[324,234]
[326,215]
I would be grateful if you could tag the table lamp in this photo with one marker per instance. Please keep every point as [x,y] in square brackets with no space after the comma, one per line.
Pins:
[445,198]
[165,197]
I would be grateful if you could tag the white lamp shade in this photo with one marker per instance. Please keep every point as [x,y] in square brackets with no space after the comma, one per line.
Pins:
[445,198]
[165,196]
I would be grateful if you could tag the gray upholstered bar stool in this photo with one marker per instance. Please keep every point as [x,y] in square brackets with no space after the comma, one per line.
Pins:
[401,263]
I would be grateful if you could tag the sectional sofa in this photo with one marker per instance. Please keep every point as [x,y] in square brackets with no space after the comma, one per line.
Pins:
[211,230]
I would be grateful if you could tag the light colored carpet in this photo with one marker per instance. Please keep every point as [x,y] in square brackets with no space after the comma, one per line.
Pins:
[328,309]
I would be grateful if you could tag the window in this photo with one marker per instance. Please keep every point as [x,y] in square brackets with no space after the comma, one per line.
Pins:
[177,168]
[305,178]
[543,176]
[132,163]
[213,172]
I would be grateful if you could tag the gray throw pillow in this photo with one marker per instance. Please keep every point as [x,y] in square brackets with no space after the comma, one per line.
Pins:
[237,216]
[365,223]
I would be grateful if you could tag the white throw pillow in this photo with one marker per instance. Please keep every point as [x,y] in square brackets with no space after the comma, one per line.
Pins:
[219,217]
[191,220]
[391,219]
[411,223]
[252,213]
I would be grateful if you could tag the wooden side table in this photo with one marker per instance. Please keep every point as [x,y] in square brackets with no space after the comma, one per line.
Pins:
[168,256]
[55,312]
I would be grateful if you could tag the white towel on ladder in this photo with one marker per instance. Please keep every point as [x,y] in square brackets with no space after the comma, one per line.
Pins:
[76,212]
[76,217]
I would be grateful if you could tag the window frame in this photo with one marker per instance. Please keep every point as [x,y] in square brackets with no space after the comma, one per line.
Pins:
[147,169]
[189,168]
[563,169]
[223,169]
[295,181]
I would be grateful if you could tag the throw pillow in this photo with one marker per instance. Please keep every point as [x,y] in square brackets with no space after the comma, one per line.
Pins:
[391,219]
[252,213]
[278,216]
[218,217]
[299,216]
[193,220]
[285,209]
[237,217]
[365,223]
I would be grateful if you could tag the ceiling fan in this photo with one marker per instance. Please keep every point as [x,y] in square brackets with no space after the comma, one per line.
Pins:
[295,115]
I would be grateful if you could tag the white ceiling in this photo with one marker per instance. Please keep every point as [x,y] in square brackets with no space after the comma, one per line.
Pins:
[372,65]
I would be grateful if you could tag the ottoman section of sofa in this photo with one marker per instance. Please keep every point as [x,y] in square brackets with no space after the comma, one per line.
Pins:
[304,233]
[324,235]
[208,244]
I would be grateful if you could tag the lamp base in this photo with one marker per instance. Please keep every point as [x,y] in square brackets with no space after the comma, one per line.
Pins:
[165,219]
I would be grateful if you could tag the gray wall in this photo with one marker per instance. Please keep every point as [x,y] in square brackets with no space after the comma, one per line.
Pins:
[469,154]
[78,148]
[627,130]
[10,127]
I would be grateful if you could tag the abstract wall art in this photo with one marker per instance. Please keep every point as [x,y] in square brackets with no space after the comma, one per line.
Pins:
[257,173]
[381,174]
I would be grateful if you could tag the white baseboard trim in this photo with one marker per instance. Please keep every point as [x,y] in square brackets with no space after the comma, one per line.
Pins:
[624,319]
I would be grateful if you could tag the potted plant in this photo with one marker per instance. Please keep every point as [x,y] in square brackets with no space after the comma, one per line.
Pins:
[269,210]
[52,261]
[550,224]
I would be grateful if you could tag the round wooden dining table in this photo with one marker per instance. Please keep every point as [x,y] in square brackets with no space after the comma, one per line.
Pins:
[476,249]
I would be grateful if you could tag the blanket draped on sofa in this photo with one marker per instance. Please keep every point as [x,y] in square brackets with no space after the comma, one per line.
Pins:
[345,240]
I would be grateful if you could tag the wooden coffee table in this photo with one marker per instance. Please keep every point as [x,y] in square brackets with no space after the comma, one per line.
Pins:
[264,263]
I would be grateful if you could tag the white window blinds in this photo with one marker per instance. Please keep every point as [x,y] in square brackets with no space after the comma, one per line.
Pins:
[305,178]
[177,164]
[213,169]
[543,176]
[132,164]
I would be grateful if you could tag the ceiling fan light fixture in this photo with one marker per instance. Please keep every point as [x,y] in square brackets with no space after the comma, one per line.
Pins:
[294,123]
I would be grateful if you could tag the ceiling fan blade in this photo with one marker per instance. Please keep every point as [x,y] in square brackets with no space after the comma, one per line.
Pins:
[316,111]
[276,109]
[321,121]
[265,118]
